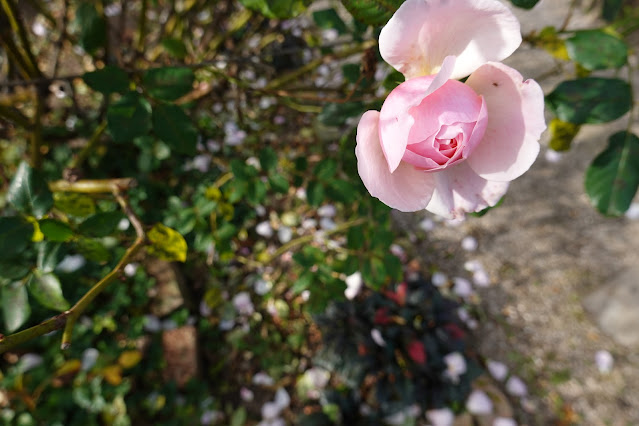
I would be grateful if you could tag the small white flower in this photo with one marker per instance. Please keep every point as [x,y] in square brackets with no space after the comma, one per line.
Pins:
[478,403]
[246,394]
[469,243]
[604,361]
[243,304]
[473,265]
[39,29]
[498,370]
[282,398]
[455,366]
[264,229]
[504,421]
[306,294]
[516,387]
[123,224]
[284,234]
[263,379]
[152,324]
[262,286]
[427,225]
[317,377]
[309,223]
[270,410]
[89,357]
[377,337]
[29,361]
[327,210]
[130,269]
[440,417]
[439,279]
[481,278]
[353,285]
[462,287]
[553,156]
[327,224]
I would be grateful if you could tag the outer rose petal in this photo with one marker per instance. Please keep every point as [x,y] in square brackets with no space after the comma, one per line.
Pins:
[394,116]
[460,190]
[423,32]
[406,189]
[515,122]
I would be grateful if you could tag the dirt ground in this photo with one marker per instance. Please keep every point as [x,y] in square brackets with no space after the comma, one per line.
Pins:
[546,249]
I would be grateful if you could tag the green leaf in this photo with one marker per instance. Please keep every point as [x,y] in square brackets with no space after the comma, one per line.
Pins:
[29,193]
[15,235]
[372,12]
[268,159]
[93,32]
[278,183]
[55,231]
[166,243]
[239,417]
[315,193]
[591,100]
[334,114]
[597,50]
[562,134]
[374,273]
[342,191]
[351,72]
[303,282]
[47,290]
[100,224]
[329,19]
[13,270]
[613,177]
[129,117]
[279,9]
[175,47]
[107,80]
[15,305]
[168,83]
[93,250]
[611,9]
[48,256]
[525,4]
[73,204]
[173,126]
[325,169]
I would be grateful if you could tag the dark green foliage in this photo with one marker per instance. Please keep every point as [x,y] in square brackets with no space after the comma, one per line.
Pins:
[596,49]
[525,4]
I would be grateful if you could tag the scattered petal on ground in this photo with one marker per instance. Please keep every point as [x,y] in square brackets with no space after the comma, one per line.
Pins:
[479,403]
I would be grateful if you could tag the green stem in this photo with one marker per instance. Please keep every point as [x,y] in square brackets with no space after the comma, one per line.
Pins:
[15,116]
[36,136]
[96,186]
[142,25]
[84,154]
[18,27]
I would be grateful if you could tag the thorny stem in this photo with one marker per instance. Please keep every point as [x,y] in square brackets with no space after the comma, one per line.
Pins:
[67,319]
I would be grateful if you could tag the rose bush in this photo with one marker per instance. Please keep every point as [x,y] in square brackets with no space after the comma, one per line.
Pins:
[439,144]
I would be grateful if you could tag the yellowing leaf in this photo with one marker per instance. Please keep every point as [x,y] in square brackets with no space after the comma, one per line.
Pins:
[562,134]
[77,205]
[37,234]
[129,359]
[549,40]
[69,367]
[112,374]
[166,243]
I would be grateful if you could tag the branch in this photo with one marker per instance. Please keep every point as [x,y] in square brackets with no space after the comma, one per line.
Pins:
[67,319]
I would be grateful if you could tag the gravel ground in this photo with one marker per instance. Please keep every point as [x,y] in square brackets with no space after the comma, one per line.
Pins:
[545,249]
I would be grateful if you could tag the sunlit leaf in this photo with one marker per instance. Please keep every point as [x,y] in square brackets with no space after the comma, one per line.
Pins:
[596,50]
[129,359]
[77,205]
[47,290]
[55,231]
[562,134]
[15,305]
[166,243]
[29,193]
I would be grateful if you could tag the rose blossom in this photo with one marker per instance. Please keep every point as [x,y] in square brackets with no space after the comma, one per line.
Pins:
[439,144]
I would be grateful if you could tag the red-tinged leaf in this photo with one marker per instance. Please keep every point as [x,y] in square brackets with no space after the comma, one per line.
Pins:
[416,352]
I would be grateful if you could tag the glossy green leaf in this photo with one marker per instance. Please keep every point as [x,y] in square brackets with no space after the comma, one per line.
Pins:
[107,80]
[12,269]
[315,193]
[175,47]
[168,83]
[613,177]
[372,12]
[73,204]
[93,31]
[166,243]
[15,305]
[268,159]
[342,191]
[278,183]
[55,231]
[100,224]
[591,100]
[48,256]
[280,9]
[174,127]
[596,50]
[329,19]
[29,193]
[46,289]
[129,117]
[325,169]
[93,250]
[15,235]
[525,4]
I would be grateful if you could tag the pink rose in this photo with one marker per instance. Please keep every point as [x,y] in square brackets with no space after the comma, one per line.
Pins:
[439,144]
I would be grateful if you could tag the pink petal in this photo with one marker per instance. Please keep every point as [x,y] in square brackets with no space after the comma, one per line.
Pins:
[515,122]
[395,120]
[460,190]
[423,32]
[406,189]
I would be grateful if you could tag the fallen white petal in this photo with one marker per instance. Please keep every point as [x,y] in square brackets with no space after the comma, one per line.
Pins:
[479,403]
